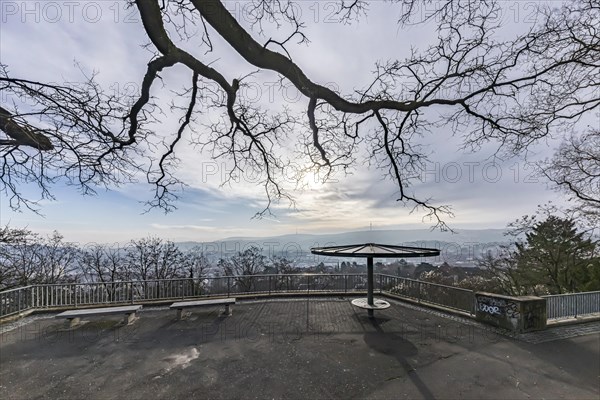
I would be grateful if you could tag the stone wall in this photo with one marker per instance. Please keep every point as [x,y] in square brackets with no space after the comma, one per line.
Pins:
[515,313]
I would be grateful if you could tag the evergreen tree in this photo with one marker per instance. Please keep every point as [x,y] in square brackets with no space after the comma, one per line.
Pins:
[556,258]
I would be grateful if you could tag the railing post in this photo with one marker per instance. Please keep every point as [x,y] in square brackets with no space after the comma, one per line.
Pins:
[346,283]
[269,284]
[228,286]
[419,292]
[75,294]
[576,298]
[131,288]
[308,284]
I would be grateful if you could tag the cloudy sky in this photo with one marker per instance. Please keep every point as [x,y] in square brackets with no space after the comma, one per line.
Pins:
[44,40]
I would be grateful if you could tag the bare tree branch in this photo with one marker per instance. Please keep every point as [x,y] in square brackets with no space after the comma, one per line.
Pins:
[510,92]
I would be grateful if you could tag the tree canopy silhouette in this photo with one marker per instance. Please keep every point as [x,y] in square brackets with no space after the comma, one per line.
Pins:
[514,92]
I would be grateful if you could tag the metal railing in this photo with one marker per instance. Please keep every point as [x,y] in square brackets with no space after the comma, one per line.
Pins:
[572,305]
[41,296]
[432,293]
[15,301]
[44,296]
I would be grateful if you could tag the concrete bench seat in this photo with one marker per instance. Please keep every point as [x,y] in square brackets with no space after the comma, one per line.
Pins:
[74,316]
[180,306]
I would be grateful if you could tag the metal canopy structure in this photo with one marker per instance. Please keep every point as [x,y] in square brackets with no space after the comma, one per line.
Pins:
[375,251]
[371,251]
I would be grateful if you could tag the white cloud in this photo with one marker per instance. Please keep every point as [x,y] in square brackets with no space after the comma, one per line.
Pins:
[343,54]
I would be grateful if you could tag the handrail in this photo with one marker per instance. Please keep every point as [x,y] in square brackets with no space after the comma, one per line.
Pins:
[570,294]
[75,294]
[17,288]
[572,305]
[197,279]
[432,293]
[429,283]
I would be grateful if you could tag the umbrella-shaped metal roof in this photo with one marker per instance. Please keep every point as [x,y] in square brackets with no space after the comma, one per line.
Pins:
[375,250]
[371,251]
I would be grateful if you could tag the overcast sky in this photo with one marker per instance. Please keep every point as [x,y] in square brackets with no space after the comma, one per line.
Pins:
[43,42]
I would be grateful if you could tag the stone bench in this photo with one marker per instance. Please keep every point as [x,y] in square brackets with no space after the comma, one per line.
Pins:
[180,306]
[74,316]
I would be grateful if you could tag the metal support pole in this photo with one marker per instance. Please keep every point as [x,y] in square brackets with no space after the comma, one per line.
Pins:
[370,284]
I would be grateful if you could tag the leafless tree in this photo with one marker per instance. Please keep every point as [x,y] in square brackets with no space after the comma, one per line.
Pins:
[243,265]
[196,263]
[575,170]
[65,132]
[15,265]
[150,260]
[153,258]
[38,260]
[10,235]
[103,264]
[513,92]
[502,273]
[281,265]
[197,268]
[57,259]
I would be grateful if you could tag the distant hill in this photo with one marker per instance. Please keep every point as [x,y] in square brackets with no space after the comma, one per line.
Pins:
[464,245]
[396,236]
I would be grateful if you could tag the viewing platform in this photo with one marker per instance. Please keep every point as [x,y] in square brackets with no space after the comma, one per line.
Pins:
[305,347]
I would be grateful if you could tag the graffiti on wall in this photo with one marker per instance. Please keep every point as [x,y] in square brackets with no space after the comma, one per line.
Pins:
[491,305]
[518,314]
[505,312]
[512,310]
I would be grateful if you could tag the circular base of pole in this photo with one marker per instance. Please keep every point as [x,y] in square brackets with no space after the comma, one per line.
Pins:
[377,304]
